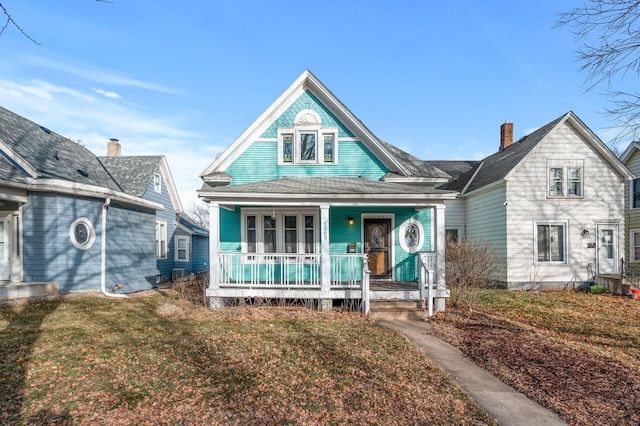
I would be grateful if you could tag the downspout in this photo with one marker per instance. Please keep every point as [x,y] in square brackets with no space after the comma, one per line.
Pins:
[103,254]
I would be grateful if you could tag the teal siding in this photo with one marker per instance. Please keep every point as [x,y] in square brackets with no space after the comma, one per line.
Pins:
[354,160]
[306,101]
[230,231]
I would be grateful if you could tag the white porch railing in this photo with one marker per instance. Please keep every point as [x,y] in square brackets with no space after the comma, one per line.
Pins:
[276,270]
[427,282]
[279,270]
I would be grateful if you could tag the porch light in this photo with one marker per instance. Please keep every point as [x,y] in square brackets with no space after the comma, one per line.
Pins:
[351,221]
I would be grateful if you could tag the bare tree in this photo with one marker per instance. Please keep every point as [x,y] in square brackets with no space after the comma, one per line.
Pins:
[11,22]
[609,37]
[199,212]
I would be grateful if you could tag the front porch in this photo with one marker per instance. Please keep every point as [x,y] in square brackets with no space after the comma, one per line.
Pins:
[318,277]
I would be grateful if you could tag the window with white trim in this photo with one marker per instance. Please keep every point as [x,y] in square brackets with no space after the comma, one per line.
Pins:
[161,239]
[307,142]
[565,178]
[634,245]
[82,233]
[157,182]
[182,249]
[551,241]
[279,231]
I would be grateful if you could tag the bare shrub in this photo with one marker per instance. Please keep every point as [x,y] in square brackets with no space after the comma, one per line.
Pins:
[193,288]
[469,267]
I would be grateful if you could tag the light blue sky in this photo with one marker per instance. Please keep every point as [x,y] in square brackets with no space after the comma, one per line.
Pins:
[185,78]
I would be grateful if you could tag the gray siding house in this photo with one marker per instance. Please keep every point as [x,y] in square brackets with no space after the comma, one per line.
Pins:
[70,221]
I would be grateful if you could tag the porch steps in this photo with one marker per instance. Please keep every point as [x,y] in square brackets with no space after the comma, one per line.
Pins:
[381,310]
[9,291]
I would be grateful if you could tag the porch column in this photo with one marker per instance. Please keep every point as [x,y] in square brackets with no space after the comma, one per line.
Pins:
[440,244]
[326,303]
[213,293]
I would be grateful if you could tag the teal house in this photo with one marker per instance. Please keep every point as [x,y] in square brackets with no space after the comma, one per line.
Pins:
[307,203]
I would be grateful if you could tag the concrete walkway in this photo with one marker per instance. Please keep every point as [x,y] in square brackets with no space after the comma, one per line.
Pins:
[502,402]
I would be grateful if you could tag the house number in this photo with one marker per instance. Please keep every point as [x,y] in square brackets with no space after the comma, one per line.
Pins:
[325,230]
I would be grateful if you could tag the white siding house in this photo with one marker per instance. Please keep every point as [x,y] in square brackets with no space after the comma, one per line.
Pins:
[550,204]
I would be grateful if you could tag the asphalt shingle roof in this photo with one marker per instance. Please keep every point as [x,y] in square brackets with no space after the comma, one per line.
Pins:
[133,173]
[323,185]
[496,166]
[11,173]
[414,165]
[50,154]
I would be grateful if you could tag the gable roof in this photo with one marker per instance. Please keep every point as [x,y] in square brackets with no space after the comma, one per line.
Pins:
[306,81]
[189,225]
[35,158]
[42,153]
[500,165]
[628,153]
[415,166]
[135,173]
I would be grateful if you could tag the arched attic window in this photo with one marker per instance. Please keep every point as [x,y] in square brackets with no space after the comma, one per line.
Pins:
[307,142]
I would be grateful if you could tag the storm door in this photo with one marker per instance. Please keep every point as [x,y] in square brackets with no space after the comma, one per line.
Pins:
[378,247]
[607,249]
[5,247]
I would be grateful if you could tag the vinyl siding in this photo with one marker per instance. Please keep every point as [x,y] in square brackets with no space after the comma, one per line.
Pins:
[632,216]
[49,254]
[199,253]
[486,220]
[131,248]
[527,201]
[354,159]
[306,101]
[164,266]
[455,216]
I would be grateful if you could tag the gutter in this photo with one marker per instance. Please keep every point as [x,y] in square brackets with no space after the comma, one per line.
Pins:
[103,254]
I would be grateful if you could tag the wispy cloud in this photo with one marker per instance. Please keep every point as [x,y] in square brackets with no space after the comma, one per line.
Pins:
[107,94]
[95,119]
[92,73]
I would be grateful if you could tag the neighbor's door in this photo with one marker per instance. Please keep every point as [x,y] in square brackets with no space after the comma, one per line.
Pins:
[607,249]
[377,245]
[5,248]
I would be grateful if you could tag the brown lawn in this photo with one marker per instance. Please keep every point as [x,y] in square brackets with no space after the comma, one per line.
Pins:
[154,360]
[576,353]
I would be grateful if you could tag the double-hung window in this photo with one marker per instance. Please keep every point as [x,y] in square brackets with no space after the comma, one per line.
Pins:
[565,178]
[634,245]
[551,241]
[182,249]
[280,231]
[157,182]
[161,239]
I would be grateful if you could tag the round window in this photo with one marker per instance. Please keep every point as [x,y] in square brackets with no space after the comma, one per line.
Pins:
[82,234]
[411,236]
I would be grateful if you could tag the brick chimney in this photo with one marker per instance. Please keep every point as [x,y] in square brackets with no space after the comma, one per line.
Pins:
[506,135]
[113,148]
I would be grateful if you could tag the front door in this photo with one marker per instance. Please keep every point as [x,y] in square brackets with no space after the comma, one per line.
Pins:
[607,249]
[378,247]
[5,248]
